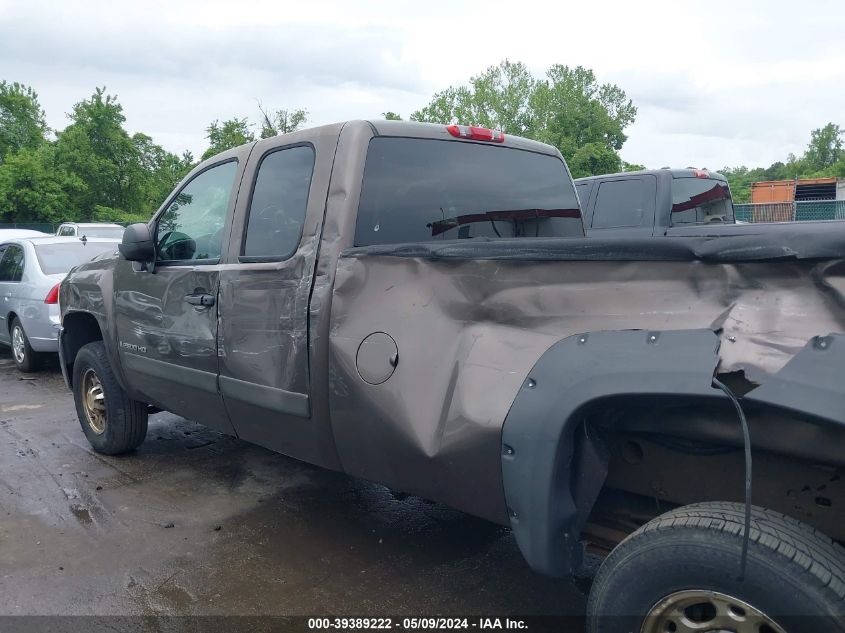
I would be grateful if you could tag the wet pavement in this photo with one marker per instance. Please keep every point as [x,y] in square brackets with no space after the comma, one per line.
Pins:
[199,523]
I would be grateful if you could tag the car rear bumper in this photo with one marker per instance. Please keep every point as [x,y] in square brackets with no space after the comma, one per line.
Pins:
[44,344]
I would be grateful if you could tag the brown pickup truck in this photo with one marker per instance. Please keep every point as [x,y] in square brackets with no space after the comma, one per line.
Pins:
[418,305]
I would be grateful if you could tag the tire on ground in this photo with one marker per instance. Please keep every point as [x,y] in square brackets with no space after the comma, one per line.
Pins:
[125,424]
[31,360]
[795,575]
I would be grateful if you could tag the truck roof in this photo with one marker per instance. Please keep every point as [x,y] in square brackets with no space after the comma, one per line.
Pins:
[383,127]
[660,173]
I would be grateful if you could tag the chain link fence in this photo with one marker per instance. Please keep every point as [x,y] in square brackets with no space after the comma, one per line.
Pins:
[798,211]
[44,227]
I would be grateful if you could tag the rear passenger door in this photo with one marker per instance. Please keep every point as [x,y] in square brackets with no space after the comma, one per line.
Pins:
[11,273]
[623,206]
[265,290]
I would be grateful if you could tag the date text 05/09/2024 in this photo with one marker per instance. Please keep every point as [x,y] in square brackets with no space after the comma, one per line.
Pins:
[411,624]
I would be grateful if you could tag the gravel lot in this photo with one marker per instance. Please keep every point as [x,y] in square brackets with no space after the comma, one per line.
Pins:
[199,523]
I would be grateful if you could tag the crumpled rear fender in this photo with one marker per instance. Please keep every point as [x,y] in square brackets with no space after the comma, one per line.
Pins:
[552,470]
[538,437]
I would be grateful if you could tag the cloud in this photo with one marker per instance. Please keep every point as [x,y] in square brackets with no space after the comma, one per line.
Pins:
[720,83]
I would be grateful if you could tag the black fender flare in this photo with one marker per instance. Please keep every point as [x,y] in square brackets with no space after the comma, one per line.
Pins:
[538,435]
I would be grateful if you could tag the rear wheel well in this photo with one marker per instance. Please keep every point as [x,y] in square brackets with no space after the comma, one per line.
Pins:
[9,320]
[673,458]
[80,328]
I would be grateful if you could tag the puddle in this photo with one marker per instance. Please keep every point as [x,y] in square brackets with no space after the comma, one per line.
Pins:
[82,514]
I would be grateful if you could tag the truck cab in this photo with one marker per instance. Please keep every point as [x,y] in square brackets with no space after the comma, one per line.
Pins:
[655,202]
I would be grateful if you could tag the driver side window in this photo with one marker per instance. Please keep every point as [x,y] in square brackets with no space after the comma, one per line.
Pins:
[192,226]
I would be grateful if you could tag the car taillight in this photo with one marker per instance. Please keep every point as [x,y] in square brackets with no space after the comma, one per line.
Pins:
[701,173]
[476,133]
[52,297]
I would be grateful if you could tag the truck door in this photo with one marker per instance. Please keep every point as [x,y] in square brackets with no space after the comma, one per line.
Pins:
[167,319]
[265,291]
[623,207]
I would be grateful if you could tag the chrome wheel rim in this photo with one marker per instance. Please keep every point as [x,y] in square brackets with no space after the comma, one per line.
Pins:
[94,401]
[703,611]
[18,344]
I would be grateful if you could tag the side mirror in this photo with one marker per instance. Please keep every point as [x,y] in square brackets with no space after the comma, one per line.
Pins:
[137,244]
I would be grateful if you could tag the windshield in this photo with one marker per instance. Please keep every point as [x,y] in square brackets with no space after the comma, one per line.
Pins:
[60,258]
[115,232]
[419,190]
[701,201]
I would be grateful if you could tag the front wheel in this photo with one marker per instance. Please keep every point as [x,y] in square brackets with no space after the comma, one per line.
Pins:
[681,573]
[112,422]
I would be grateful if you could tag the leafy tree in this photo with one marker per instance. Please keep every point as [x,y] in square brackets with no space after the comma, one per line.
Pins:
[568,109]
[94,169]
[391,116]
[160,172]
[626,166]
[99,152]
[22,122]
[499,98]
[823,158]
[594,158]
[825,147]
[33,188]
[226,135]
[281,121]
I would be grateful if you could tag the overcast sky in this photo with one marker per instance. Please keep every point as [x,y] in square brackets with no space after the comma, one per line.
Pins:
[716,83]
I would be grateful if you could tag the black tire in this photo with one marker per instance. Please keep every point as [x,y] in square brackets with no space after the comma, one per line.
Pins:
[31,360]
[124,424]
[795,575]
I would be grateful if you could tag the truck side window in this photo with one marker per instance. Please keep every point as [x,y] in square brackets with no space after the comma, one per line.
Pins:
[620,203]
[66,231]
[277,207]
[192,226]
[11,265]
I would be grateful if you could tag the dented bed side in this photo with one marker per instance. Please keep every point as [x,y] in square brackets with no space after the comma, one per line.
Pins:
[471,322]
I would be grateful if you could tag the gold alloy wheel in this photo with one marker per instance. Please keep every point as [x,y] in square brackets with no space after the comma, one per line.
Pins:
[18,344]
[94,401]
[705,611]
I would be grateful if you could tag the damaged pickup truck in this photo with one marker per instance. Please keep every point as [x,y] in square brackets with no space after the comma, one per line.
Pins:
[417,305]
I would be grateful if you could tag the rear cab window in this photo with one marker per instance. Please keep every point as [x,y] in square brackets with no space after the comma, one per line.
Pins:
[698,200]
[422,190]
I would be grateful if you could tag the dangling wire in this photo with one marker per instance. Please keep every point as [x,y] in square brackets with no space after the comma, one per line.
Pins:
[746,436]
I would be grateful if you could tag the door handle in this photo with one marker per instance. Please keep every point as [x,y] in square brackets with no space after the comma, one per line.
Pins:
[198,299]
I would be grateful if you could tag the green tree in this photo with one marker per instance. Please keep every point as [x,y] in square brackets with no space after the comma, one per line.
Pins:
[594,158]
[825,147]
[160,171]
[568,109]
[226,135]
[391,116]
[499,98]
[626,166]
[22,122]
[824,157]
[281,121]
[99,152]
[33,188]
